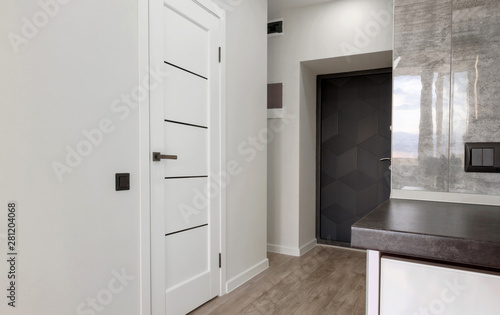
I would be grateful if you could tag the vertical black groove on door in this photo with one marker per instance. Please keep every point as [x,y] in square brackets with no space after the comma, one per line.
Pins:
[353,134]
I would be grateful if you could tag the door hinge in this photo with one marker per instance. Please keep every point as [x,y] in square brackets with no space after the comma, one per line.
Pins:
[220,260]
[220,54]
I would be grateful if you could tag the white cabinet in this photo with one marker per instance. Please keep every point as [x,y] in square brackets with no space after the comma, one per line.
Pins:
[415,288]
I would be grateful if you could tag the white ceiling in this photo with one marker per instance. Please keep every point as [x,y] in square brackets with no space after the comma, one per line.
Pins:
[276,6]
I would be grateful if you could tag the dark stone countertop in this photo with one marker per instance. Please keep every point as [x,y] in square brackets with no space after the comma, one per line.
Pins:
[448,232]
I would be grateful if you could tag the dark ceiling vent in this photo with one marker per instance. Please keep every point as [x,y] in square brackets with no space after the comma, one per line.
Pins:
[275,27]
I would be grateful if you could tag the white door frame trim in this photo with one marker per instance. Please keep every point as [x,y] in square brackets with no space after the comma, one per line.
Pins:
[223,210]
[144,161]
[145,156]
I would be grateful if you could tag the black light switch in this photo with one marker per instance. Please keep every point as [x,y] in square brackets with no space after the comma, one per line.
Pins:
[122,181]
[482,157]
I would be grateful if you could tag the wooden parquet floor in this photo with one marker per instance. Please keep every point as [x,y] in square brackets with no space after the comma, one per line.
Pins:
[326,280]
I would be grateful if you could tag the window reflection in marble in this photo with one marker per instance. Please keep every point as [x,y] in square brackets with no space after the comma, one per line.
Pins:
[420,131]
[406,116]
[421,115]
[461,109]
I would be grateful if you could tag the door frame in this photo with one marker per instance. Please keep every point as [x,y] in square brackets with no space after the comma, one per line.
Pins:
[319,79]
[148,13]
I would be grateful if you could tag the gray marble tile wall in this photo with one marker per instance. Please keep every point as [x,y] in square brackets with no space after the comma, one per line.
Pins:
[476,89]
[422,45]
[446,92]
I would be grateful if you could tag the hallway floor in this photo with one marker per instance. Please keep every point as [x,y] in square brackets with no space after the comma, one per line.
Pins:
[326,280]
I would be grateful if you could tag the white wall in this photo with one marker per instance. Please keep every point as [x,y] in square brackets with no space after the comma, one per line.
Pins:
[319,36]
[75,234]
[246,116]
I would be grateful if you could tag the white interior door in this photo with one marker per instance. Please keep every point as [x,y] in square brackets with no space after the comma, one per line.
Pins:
[185,133]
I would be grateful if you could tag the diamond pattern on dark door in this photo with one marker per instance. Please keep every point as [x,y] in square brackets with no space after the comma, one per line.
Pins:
[355,134]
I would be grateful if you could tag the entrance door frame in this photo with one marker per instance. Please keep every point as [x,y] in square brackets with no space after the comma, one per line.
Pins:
[148,13]
[319,79]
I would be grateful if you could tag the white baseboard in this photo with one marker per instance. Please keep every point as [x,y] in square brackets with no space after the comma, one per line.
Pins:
[285,250]
[308,246]
[275,113]
[246,275]
[291,251]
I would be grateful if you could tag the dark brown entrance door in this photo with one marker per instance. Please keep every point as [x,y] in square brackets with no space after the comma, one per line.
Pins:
[354,121]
